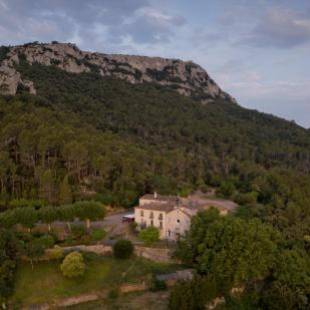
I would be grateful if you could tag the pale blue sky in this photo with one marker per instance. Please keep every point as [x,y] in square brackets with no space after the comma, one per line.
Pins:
[257,50]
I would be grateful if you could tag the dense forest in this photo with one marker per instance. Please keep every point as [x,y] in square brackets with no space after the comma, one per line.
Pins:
[83,136]
[112,136]
[112,140]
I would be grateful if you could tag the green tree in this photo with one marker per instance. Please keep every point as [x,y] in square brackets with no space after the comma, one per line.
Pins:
[47,184]
[67,213]
[65,193]
[8,218]
[192,294]
[149,235]
[123,249]
[27,217]
[89,211]
[226,189]
[73,265]
[232,250]
[8,257]
[48,215]
[290,287]
[34,249]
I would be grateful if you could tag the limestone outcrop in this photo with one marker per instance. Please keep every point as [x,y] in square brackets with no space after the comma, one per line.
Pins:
[186,77]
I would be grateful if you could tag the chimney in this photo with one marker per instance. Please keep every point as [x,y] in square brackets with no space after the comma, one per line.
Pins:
[155,195]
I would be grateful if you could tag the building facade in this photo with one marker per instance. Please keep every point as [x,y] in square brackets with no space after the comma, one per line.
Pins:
[170,214]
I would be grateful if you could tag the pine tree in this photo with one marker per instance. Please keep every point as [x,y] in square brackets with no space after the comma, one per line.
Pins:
[47,188]
[65,193]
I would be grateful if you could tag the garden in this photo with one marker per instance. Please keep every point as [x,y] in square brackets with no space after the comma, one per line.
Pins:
[105,274]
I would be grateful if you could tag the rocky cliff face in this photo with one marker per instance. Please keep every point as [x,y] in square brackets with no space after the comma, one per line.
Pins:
[185,77]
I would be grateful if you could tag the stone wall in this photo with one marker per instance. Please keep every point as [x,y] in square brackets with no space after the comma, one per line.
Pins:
[162,255]
[99,249]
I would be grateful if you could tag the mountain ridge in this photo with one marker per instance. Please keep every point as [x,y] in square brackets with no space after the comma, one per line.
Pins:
[186,77]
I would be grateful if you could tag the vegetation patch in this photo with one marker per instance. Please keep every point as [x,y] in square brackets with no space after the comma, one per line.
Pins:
[48,283]
[4,50]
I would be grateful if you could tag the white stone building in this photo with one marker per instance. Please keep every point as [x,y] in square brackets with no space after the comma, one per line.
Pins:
[170,214]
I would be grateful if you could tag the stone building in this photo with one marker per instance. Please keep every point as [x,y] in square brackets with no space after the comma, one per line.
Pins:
[171,214]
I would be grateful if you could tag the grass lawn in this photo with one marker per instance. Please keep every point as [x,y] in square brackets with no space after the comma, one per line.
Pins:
[46,283]
[132,301]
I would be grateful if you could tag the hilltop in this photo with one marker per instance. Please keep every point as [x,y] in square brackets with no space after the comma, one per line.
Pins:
[186,78]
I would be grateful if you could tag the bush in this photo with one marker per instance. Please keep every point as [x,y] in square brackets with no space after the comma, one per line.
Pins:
[78,231]
[98,234]
[86,239]
[25,203]
[226,189]
[158,285]
[133,226]
[47,241]
[113,293]
[149,235]
[73,265]
[56,252]
[123,249]
[246,199]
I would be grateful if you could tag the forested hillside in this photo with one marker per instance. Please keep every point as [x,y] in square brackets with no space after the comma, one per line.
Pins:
[84,136]
[105,137]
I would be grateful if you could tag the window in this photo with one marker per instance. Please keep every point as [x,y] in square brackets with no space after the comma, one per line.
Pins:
[151,215]
[178,221]
[160,216]
[161,225]
[141,213]
[152,223]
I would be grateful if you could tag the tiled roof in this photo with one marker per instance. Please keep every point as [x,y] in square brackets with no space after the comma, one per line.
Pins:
[159,197]
[157,207]
[166,208]
[192,203]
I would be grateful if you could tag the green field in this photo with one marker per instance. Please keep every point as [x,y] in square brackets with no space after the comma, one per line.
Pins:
[46,283]
[132,301]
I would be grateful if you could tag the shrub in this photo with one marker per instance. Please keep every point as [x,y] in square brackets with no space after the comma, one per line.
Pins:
[21,203]
[78,231]
[149,235]
[113,293]
[226,189]
[133,226]
[86,239]
[34,249]
[246,198]
[185,191]
[123,249]
[98,234]
[158,285]
[73,265]
[47,241]
[56,252]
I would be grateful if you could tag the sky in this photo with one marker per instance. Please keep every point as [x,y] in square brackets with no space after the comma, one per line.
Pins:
[256,50]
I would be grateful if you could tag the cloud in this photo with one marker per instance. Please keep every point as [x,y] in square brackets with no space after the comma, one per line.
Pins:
[151,25]
[93,23]
[246,46]
[280,28]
